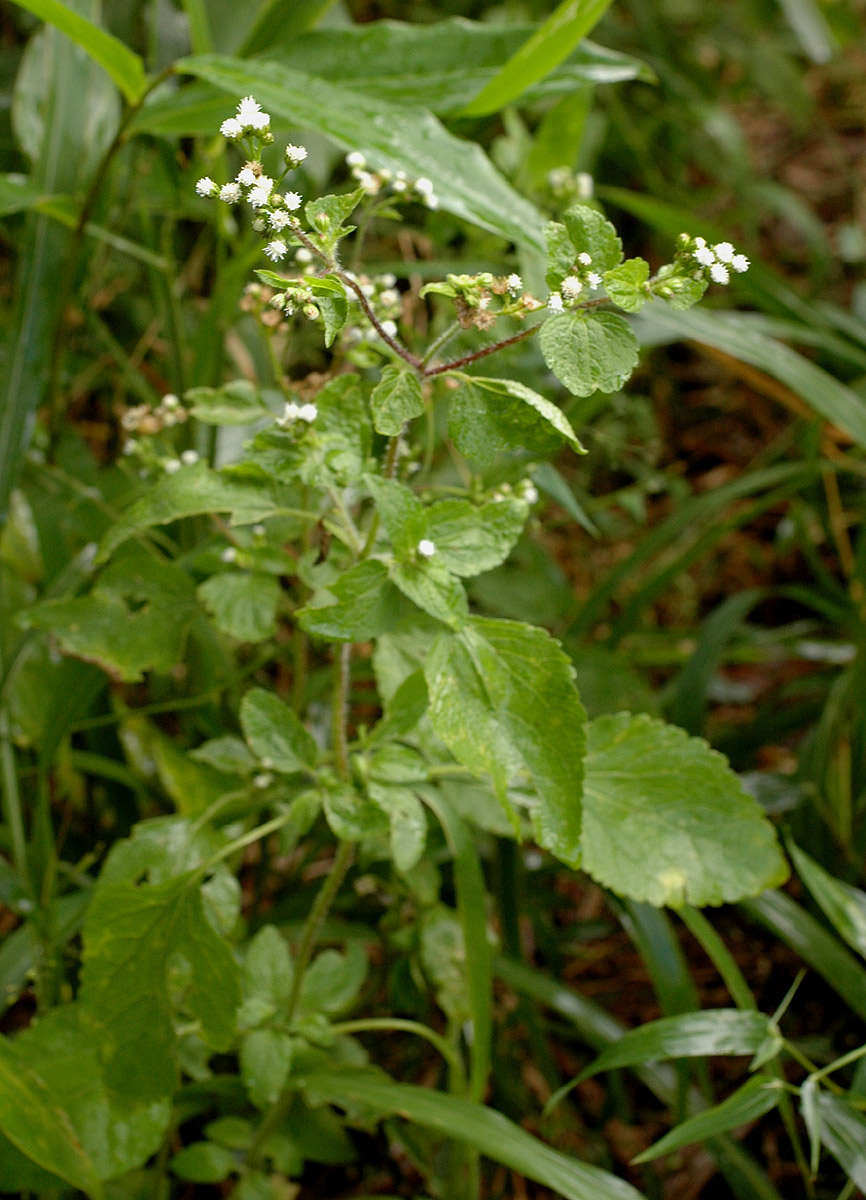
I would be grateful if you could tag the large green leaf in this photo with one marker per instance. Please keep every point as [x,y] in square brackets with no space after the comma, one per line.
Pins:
[747,1104]
[118,1134]
[689,1035]
[666,819]
[548,46]
[361,604]
[143,946]
[122,64]
[487,1131]
[502,698]
[243,603]
[589,351]
[735,335]
[469,538]
[34,1121]
[390,135]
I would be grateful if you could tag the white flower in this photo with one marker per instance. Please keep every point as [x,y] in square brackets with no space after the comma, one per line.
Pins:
[571,287]
[390,328]
[295,155]
[250,116]
[292,201]
[593,279]
[388,279]
[169,400]
[431,201]
[229,554]
[171,465]
[355,159]
[699,241]
[259,225]
[514,283]
[426,548]
[259,196]
[389,297]
[290,413]
[279,219]
[719,273]
[705,256]
[206,186]
[740,263]
[530,493]
[231,128]
[724,251]
[230,192]
[247,176]
[585,184]
[368,181]
[263,779]
[308,412]
[554,302]
[424,186]
[303,255]
[276,250]
[189,457]
[584,259]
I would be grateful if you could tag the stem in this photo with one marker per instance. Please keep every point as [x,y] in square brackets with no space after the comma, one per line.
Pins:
[466,359]
[12,812]
[312,925]
[400,1025]
[440,341]
[719,955]
[339,710]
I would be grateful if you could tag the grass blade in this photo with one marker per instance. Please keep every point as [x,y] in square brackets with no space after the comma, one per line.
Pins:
[552,42]
[282,19]
[747,1104]
[844,906]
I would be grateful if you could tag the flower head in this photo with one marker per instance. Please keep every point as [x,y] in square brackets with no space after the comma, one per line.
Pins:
[231,128]
[739,263]
[259,196]
[724,251]
[230,192]
[355,159]
[584,259]
[292,201]
[514,283]
[554,302]
[250,116]
[426,548]
[294,155]
[279,219]
[247,176]
[276,250]
[206,186]
[308,413]
[189,457]
[719,273]
[571,287]
[705,256]
[593,279]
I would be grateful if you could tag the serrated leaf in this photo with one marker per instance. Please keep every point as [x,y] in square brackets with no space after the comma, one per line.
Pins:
[428,584]
[132,936]
[484,424]
[502,696]
[327,213]
[666,820]
[589,351]
[625,284]
[152,601]
[366,605]
[235,403]
[275,734]
[396,399]
[560,254]
[265,1058]
[747,1104]
[243,604]
[118,1135]
[190,492]
[687,1035]
[35,1123]
[391,136]
[401,511]
[353,817]
[591,233]
[331,301]
[342,429]
[469,538]
[553,416]
[266,977]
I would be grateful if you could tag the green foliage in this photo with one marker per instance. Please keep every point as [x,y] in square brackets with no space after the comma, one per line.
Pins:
[589,352]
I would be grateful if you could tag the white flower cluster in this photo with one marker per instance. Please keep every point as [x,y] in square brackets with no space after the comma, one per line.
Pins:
[718,260]
[298,412]
[248,118]
[573,285]
[399,183]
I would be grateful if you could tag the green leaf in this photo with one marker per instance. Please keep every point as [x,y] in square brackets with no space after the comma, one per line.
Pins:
[242,603]
[625,284]
[235,403]
[331,300]
[353,817]
[396,399]
[405,812]
[679,292]
[403,710]
[401,511]
[275,734]
[366,604]
[470,539]
[689,1035]
[390,135]
[843,1131]
[135,940]
[486,422]
[18,193]
[734,335]
[548,46]
[333,981]
[190,492]
[342,434]
[327,213]
[204,1162]
[124,66]
[266,1057]
[266,977]
[666,820]
[487,1131]
[591,233]
[32,1120]
[227,754]
[117,1134]
[589,351]
[747,1104]
[286,19]
[843,905]
[429,585]
[502,697]
[553,416]
[152,601]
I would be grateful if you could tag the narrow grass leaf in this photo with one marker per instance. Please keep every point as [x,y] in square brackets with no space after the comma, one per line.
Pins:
[843,905]
[551,43]
[124,66]
[843,1131]
[487,1131]
[280,21]
[747,1104]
